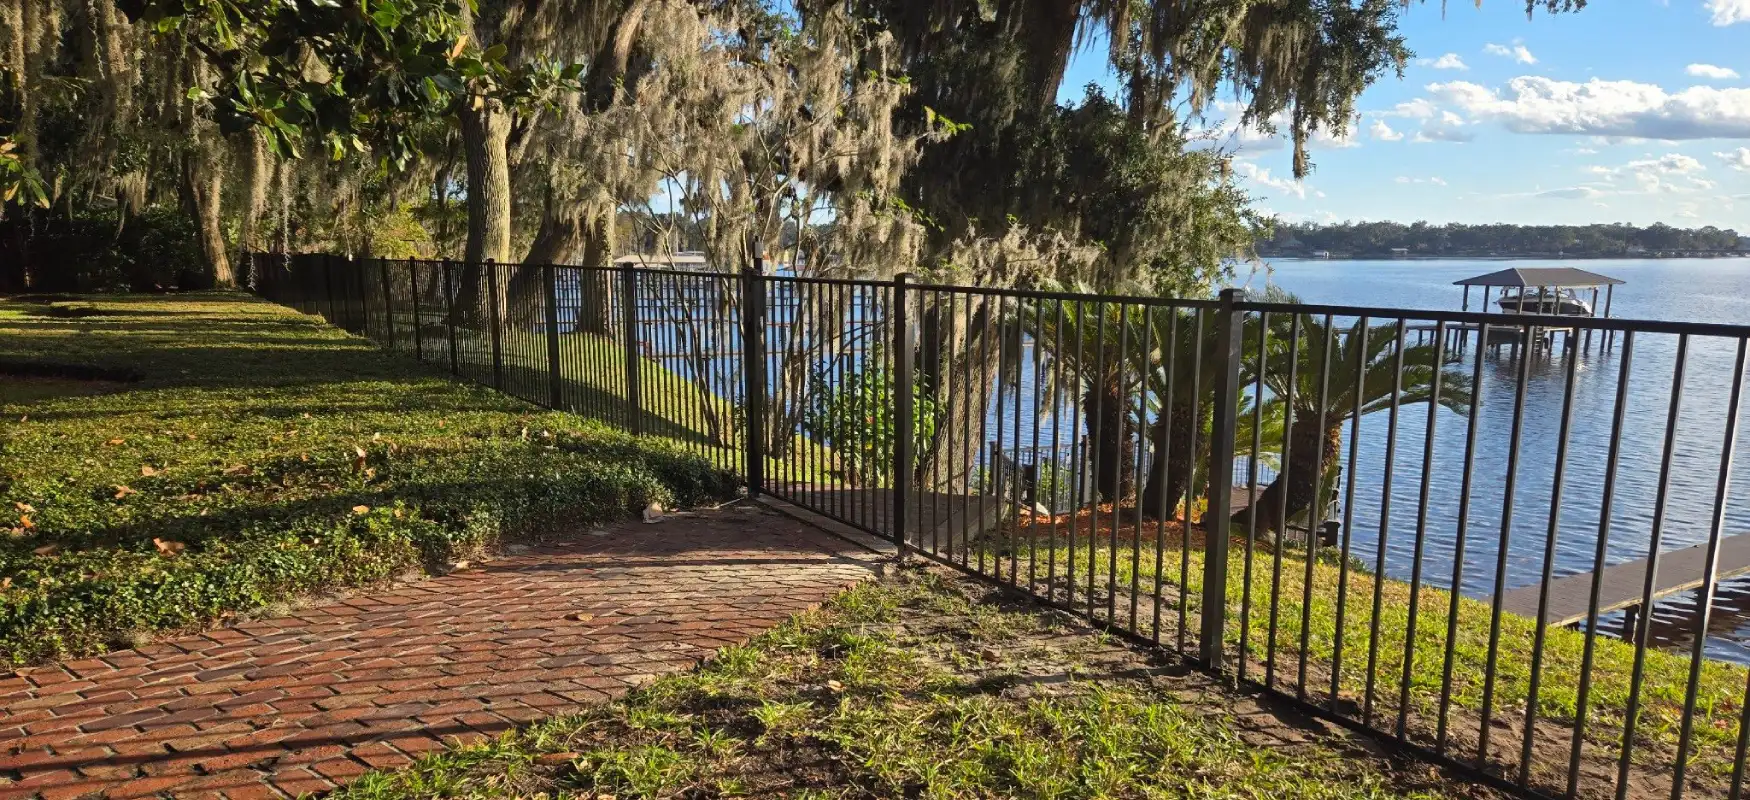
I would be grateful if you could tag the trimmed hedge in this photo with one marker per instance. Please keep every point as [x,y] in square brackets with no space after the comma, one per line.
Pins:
[263,456]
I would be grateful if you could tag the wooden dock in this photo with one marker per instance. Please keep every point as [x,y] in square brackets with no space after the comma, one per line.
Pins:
[1623,584]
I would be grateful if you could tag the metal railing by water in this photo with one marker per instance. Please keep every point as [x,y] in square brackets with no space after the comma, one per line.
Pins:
[1368,512]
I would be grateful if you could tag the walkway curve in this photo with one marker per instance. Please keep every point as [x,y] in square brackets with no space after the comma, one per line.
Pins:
[303,703]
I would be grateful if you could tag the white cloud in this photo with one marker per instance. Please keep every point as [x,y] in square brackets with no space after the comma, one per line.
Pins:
[1437,181]
[1688,211]
[1738,159]
[1711,72]
[1419,108]
[1383,132]
[1532,104]
[1517,51]
[1671,173]
[1448,61]
[1574,193]
[1448,127]
[1262,176]
[1727,12]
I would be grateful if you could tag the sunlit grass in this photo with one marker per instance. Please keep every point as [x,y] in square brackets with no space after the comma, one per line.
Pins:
[1281,587]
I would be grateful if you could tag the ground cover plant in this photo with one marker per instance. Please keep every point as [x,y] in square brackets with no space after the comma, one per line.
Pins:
[169,462]
[1270,590]
[924,685]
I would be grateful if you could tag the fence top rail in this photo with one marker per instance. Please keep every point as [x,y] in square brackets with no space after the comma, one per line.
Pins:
[1499,320]
[1070,297]
[824,281]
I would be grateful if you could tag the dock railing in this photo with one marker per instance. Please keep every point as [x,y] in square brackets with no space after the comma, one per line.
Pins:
[1144,463]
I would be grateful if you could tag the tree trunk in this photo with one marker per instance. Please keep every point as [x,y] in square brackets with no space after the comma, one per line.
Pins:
[1108,424]
[954,365]
[261,173]
[1170,472]
[1298,484]
[594,306]
[485,138]
[204,183]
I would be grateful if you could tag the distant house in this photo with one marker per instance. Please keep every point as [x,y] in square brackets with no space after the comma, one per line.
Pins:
[1321,254]
[1400,251]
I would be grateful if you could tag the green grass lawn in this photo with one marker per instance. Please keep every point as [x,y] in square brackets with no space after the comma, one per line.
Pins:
[1721,688]
[240,453]
[921,686]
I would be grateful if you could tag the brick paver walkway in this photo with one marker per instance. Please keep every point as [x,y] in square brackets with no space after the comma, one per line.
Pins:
[303,703]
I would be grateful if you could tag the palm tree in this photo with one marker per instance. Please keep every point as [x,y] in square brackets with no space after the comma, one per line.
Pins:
[1100,347]
[1369,366]
[1113,354]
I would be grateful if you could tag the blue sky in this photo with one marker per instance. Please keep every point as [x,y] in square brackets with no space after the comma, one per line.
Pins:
[1628,111]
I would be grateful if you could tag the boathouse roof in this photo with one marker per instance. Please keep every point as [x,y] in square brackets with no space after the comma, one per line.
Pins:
[1565,277]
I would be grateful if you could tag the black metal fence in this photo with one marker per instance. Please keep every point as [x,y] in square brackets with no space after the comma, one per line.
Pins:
[1500,541]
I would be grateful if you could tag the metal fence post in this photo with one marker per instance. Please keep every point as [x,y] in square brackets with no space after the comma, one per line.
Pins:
[753,373]
[450,316]
[904,354]
[388,303]
[497,324]
[629,315]
[418,321]
[1229,340]
[328,286]
[555,383]
[358,272]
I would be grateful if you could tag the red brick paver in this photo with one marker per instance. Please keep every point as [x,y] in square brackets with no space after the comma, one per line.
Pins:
[283,706]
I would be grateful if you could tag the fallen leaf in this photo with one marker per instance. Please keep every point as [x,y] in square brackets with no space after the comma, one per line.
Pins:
[361,509]
[305,457]
[399,513]
[556,759]
[376,437]
[240,469]
[440,423]
[358,462]
[370,473]
[147,470]
[23,506]
[5,583]
[24,522]
[167,547]
[47,549]
[122,490]
[989,655]
[187,497]
[835,686]
[579,616]
[114,442]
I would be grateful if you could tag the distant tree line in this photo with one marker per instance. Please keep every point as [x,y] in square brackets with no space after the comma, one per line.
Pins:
[1381,239]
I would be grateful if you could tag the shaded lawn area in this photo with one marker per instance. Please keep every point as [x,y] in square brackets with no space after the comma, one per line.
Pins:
[257,454]
[1381,638]
[923,686]
[704,416]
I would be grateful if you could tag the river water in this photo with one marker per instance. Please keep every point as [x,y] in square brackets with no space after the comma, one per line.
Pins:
[1700,290]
